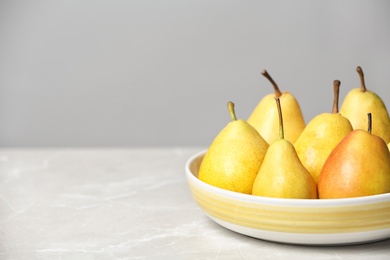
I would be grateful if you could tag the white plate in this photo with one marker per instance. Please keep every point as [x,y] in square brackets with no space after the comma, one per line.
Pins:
[293,221]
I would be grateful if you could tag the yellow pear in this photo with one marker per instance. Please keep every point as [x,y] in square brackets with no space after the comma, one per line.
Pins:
[321,135]
[359,102]
[282,175]
[233,159]
[358,166]
[265,116]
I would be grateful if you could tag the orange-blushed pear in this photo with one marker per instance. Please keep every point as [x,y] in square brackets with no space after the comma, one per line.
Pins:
[265,116]
[282,175]
[359,102]
[358,166]
[321,135]
[233,159]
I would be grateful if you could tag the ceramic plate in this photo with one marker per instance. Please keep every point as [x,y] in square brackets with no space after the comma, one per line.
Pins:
[294,221]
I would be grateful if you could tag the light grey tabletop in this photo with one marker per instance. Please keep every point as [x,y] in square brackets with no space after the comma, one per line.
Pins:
[123,204]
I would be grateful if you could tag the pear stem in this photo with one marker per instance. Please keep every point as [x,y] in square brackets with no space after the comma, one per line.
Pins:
[369,123]
[281,129]
[231,111]
[336,92]
[278,93]
[362,83]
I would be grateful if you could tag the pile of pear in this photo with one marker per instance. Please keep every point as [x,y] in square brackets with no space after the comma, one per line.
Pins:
[274,153]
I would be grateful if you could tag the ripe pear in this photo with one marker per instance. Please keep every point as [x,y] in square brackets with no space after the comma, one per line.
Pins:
[359,102]
[233,159]
[321,135]
[358,166]
[265,116]
[282,175]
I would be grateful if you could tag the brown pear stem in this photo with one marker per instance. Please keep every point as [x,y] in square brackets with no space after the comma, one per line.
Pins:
[231,111]
[336,92]
[278,93]
[362,83]
[369,123]
[281,130]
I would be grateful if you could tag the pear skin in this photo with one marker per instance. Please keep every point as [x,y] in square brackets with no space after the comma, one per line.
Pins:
[265,116]
[233,159]
[358,166]
[320,137]
[282,175]
[359,102]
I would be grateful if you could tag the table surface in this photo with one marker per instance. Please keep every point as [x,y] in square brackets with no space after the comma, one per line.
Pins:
[123,204]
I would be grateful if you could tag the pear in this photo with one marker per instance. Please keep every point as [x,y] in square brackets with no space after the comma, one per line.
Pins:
[265,115]
[282,175]
[359,102]
[358,166]
[321,135]
[233,159]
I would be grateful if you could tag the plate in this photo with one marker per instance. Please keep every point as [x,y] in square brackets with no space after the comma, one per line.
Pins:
[293,221]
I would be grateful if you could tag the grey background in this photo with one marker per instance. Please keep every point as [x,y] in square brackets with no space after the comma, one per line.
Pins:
[159,73]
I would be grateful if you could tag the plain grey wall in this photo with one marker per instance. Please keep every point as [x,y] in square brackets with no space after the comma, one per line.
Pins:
[159,73]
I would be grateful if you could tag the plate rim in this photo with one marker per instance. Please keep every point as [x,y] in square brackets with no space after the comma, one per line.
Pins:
[280,201]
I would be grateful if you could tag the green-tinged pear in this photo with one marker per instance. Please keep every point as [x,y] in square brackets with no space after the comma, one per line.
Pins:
[265,115]
[321,135]
[233,159]
[358,166]
[282,175]
[359,102]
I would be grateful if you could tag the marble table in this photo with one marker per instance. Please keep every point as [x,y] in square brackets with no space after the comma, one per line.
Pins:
[123,204]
